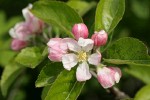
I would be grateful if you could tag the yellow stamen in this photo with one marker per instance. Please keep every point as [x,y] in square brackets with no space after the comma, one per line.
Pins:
[82,56]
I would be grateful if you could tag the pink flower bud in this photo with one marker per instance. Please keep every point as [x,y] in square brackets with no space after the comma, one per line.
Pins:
[80,30]
[100,38]
[108,76]
[18,44]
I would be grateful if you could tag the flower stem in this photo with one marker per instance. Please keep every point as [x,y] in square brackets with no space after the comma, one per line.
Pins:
[119,94]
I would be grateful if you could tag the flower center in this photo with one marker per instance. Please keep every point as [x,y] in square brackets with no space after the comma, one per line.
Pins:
[82,56]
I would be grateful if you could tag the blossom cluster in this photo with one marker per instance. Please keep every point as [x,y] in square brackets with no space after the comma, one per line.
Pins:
[83,52]
[22,32]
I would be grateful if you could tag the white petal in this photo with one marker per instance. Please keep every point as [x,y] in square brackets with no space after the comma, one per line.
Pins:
[117,77]
[69,61]
[86,44]
[94,59]
[12,33]
[73,45]
[82,73]
[26,13]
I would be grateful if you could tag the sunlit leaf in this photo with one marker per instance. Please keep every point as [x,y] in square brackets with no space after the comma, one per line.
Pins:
[108,14]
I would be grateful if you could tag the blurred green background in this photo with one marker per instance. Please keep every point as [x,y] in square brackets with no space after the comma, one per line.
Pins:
[135,23]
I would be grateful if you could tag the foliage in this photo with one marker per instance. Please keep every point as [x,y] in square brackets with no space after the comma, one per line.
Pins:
[58,83]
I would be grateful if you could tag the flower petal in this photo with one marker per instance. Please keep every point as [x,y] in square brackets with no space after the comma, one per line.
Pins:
[86,44]
[26,13]
[94,59]
[69,61]
[53,42]
[82,73]
[73,45]
[117,73]
[55,55]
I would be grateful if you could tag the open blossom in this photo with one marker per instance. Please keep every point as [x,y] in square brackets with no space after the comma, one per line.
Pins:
[23,31]
[81,53]
[108,76]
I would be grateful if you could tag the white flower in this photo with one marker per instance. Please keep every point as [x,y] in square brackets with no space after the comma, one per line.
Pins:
[80,53]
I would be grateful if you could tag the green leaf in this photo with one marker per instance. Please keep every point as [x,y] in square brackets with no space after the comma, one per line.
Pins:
[30,57]
[81,6]
[8,55]
[143,94]
[45,91]
[9,74]
[48,74]
[140,72]
[108,14]
[128,51]
[57,13]
[65,87]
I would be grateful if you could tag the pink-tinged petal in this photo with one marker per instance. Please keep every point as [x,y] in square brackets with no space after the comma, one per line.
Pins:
[55,56]
[20,31]
[64,43]
[69,61]
[117,73]
[18,44]
[105,77]
[83,73]
[80,30]
[86,44]
[94,59]
[35,25]
[73,45]
[54,42]
[27,14]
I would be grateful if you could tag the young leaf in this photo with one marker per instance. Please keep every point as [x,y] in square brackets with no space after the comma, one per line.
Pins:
[108,14]
[128,51]
[65,87]
[48,74]
[143,94]
[141,72]
[81,6]
[9,74]
[56,13]
[30,57]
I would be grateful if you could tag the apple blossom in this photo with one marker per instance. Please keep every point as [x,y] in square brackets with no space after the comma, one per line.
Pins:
[80,52]
[108,76]
[80,30]
[99,38]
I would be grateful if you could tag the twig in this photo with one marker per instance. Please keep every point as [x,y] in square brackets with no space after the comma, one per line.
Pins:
[119,94]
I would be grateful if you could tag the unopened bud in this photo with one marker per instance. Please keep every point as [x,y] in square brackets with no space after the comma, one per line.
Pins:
[108,76]
[80,30]
[100,38]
